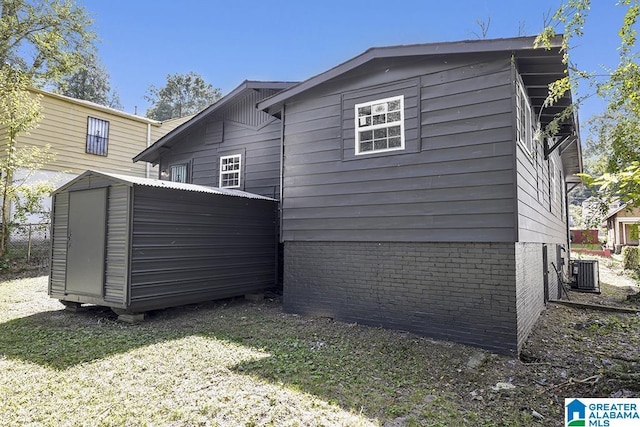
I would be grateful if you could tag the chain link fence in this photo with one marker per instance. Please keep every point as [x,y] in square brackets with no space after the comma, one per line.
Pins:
[30,244]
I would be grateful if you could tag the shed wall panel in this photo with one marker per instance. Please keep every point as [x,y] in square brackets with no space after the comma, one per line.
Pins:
[185,250]
[117,253]
[166,247]
[59,231]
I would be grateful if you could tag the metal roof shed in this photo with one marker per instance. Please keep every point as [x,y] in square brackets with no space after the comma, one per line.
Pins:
[136,244]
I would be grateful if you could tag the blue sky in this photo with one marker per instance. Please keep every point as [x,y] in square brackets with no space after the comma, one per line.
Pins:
[229,41]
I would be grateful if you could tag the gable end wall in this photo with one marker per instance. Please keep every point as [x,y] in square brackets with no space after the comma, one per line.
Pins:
[453,182]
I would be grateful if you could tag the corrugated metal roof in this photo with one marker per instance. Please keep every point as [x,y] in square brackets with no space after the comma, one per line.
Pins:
[148,182]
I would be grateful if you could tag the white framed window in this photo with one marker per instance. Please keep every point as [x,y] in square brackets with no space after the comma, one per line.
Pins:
[524,119]
[178,173]
[230,169]
[97,136]
[380,125]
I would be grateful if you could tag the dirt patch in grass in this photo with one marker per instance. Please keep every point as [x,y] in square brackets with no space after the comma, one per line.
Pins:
[235,362]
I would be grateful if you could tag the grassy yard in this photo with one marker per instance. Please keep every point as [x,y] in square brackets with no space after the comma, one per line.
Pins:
[235,362]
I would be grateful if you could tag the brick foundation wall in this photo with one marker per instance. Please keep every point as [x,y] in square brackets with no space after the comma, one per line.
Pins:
[463,292]
[530,284]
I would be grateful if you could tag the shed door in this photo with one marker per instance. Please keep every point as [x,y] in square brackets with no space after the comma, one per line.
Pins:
[86,242]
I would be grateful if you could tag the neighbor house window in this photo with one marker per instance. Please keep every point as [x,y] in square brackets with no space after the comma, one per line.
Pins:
[230,167]
[524,121]
[97,136]
[380,125]
[178,173]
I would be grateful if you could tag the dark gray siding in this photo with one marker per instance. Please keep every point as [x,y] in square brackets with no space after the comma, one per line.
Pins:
[460,292]
[453,182]
[167,247]
[541,193]
[117,252]
[117,234]
[186,248]
[541,216]
[59,242]
[239,129]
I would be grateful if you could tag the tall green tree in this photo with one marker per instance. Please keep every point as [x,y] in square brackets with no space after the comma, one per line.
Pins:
[45,39]
[90,83]
[19,113]
[41,41]
[616,172]
[183,94]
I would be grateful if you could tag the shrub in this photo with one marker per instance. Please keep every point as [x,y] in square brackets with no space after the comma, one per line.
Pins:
[630,257]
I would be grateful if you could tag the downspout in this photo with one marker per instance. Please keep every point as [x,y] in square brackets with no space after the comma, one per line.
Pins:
[278,240]
[148,167]
[281,169]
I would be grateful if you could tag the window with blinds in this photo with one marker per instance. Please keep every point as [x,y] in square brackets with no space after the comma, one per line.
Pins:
[178,173]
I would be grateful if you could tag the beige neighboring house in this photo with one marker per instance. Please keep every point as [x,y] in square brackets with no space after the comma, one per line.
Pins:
[84,135]
[622,227]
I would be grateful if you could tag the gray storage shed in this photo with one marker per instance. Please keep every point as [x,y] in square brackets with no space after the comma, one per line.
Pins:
[137,244]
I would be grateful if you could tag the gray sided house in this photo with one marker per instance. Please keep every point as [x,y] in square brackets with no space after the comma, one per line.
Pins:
[138,244]
[230,144]
[418,195]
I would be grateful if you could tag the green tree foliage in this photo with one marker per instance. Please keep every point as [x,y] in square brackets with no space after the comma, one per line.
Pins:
[616,169]
[614,142]
[182,95]
[90,83]
[623,184]
[19,113]
[41,41]
[45,39]
[630,257]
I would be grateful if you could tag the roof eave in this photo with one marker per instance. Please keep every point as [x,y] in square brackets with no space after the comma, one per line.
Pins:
[615,211]
[151,155]
[273,104]
[97,107]
[132,181]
